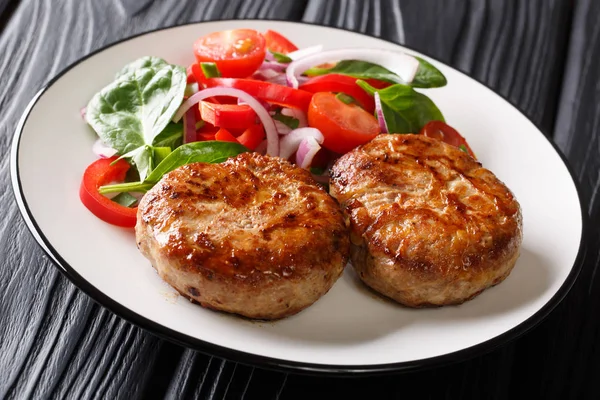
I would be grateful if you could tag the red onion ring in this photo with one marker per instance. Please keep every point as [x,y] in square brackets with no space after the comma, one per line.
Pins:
[290,142]
[261,112]
[379,112]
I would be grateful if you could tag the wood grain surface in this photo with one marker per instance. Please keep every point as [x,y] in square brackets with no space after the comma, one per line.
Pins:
[543,55]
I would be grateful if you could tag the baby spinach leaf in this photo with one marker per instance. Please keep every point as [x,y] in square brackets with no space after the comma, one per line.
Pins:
[427,75]
[171,136]
[358,69]
[144,62]
[131,112]
[405,110]
[208,152]
[125,199]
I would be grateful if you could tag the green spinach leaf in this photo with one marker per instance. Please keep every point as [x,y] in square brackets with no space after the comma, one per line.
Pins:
[130,113]
[427,75]
[405,110]
[208,152]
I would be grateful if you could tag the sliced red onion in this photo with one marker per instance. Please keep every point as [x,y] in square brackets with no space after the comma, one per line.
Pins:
[290,142]
[102,150]
[403,65]
[82,113]
[379,112]
[269,56]
[189,126]
[261,112]
[307,51]
[306,151]
[272,66]
[263,103]
[282,128]
[265,74]
[298,114]
[280,79]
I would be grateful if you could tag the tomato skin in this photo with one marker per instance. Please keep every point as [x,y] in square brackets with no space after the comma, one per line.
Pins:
[237,53]
[279,43]
[444,132]
[100,173]
[270,92]
[229,116]
[252,136]
[190,75]
[340,83]
[344,126]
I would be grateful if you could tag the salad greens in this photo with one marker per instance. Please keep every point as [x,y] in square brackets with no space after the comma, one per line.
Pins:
[427,75]
[131,112]
[208,152]
[405,110]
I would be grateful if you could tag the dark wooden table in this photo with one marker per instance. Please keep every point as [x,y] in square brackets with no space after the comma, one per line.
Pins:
[543,55]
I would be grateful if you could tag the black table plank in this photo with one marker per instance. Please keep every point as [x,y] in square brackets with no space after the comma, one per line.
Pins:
[55,342]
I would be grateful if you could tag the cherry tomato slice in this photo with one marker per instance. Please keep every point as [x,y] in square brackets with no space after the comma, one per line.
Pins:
[279,43]
[229,116]
[340,83]
[444,132]
[237,53]
[270,92]
[99,173]
[344,126]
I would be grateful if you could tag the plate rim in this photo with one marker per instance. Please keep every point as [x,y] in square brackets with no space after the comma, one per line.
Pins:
[272,363]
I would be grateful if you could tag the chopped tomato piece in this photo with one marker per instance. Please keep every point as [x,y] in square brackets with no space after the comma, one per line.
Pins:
[103,172]
[444,132]
[339,83]
[229,116]
[270,92]
[252,136]
[223,135]
[237,53]
[279,43]
[344,126]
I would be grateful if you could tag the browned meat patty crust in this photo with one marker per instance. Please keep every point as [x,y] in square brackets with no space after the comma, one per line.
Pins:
[429,226]
[255,235]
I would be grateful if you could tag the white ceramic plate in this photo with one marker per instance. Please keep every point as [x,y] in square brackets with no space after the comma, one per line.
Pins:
[349,329]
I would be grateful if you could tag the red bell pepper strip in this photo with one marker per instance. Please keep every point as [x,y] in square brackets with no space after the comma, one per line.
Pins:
[99,173]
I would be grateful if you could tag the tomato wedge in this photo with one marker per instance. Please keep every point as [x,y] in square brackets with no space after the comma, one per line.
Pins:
[270,92]
[229,116]
[339,83]
[279,43]
[99,173]
[252,136]
[237,53]
[444,132]
[344,126]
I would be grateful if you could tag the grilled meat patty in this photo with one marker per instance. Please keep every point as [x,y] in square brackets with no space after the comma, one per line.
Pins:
[429,225]
[255,235]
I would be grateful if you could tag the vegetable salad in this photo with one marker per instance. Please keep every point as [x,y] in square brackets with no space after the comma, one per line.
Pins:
[250,91]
